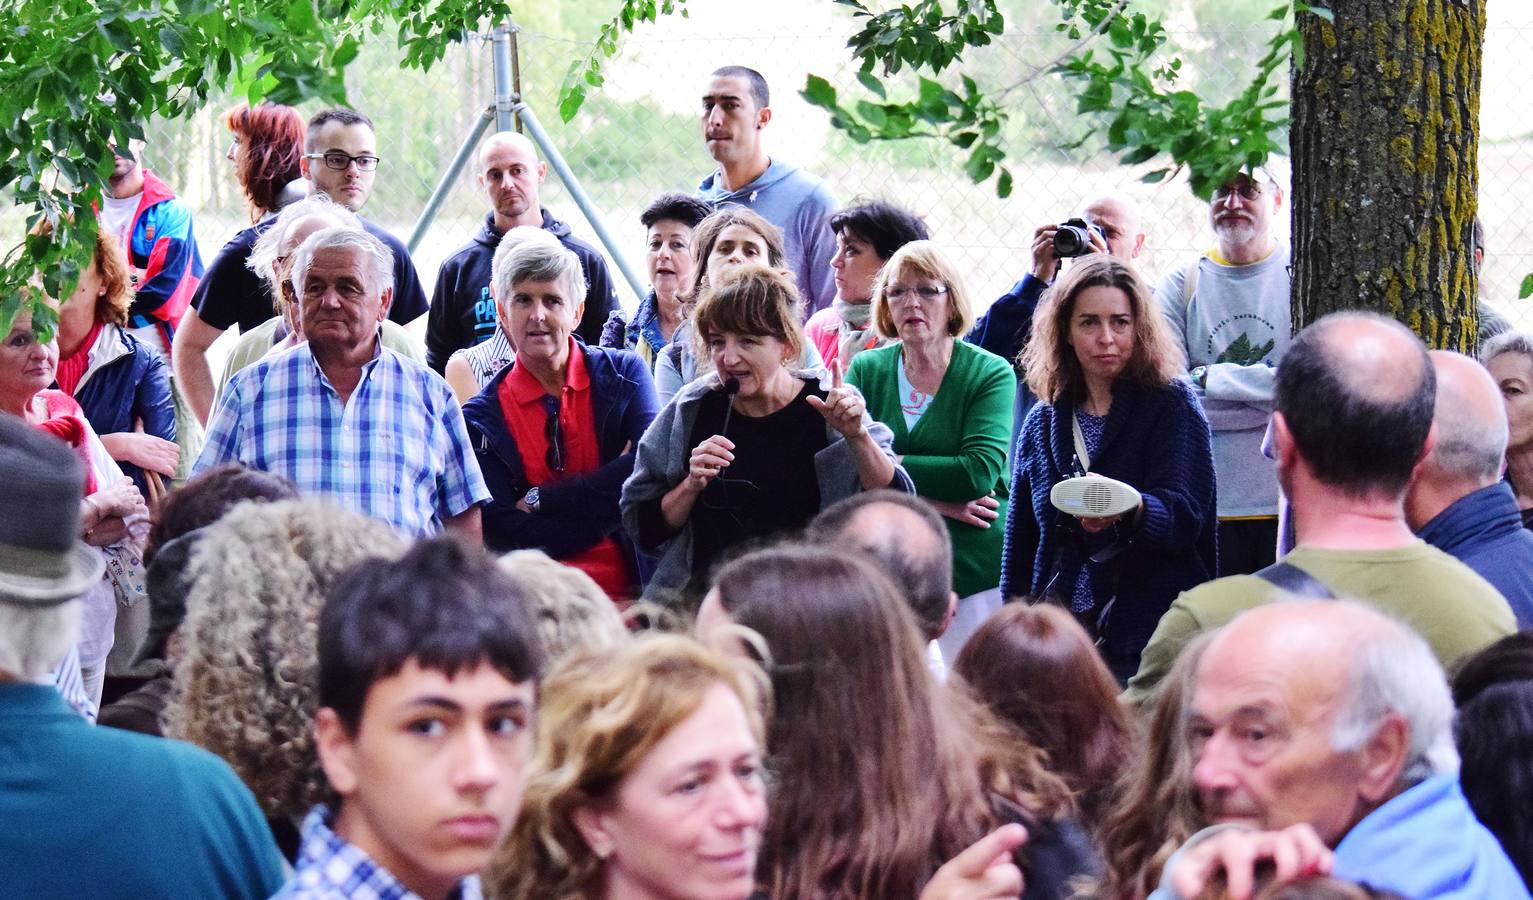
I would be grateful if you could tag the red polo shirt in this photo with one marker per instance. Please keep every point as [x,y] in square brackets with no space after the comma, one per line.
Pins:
[521,402]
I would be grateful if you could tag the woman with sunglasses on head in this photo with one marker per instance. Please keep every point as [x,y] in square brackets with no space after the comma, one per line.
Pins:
[753,449]
[728,239]
[1105,370]
[555,431]
[949,404]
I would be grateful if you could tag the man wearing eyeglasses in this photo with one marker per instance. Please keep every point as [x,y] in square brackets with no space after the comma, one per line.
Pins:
[340,161]
[1230,309]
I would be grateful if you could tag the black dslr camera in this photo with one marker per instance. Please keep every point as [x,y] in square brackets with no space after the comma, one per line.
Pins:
[1074,238]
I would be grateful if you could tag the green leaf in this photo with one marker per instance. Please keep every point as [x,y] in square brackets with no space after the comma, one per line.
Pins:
[1526,290]
[1140,155]
[1003,184]
[819,92]
[570,101]
[871,82]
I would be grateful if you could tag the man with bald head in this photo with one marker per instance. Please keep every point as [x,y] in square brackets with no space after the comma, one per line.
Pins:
[906,539]
[1354,399]
[462,310]
[1457,501]
[1006,326]
[1335,722]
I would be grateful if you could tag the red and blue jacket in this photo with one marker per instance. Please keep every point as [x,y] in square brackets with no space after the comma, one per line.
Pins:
[162,254]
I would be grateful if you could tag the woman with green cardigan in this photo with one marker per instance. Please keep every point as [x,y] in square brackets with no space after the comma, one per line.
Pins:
[949,404]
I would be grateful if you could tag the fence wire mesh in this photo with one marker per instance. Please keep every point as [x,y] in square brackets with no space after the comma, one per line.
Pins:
[639,136]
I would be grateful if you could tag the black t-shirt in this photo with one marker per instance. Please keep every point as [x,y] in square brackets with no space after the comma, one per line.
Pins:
[770,487]
[230,294]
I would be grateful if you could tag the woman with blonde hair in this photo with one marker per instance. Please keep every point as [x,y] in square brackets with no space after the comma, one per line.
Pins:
[1105,370]
[646,781]
[247,679]
[949,404]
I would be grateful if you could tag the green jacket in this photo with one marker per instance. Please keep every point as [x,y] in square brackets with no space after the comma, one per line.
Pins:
[957,451]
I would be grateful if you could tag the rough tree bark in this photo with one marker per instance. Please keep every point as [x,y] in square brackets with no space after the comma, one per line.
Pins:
[1385,141]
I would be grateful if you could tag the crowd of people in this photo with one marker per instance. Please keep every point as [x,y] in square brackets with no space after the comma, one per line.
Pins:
[813,577]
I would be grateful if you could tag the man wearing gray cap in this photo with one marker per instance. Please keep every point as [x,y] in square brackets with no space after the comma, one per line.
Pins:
[95,812]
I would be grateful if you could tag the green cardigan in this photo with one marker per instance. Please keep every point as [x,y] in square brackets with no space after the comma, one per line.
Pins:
[957,450]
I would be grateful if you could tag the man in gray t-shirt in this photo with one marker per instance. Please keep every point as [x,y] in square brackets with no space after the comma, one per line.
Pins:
[1230,309]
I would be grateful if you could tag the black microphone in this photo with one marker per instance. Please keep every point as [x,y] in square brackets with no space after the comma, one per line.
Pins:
[731,388]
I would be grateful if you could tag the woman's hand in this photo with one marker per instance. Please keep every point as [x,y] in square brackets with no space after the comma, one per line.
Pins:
[842,407]
[985,871]
[153,454]
[1094,524]
[708,459]
[120,499]
[979,512]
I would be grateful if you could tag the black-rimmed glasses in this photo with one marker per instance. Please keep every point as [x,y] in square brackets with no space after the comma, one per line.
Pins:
[339,161]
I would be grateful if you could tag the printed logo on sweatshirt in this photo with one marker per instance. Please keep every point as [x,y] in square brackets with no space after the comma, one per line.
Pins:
[484,316]
[1244,339]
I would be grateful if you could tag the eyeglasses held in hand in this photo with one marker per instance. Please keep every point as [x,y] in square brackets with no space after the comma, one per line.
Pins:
[339,161]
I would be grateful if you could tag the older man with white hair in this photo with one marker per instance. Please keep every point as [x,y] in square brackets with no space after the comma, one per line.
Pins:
[1320,736]
[345,417]
[95,812]
[1457,501]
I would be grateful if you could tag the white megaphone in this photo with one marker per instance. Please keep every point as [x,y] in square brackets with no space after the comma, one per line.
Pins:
[1095,496]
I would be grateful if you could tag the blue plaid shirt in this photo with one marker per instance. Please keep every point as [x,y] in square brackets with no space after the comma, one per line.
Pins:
[332,868]
[397,451]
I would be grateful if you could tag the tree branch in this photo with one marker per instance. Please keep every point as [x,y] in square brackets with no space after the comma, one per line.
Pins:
[1048,67]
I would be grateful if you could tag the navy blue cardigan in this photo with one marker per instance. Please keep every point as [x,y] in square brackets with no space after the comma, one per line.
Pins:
[576,512]
[1155,439]
[133,388]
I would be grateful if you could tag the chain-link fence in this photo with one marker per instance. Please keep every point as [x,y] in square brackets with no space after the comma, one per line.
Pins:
[639,135]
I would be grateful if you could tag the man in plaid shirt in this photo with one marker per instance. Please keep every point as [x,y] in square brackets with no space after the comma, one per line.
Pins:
[344,417]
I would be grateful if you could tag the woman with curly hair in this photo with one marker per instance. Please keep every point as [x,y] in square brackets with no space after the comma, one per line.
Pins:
[1106,372]
[246,684]
[646,781]
[880,775]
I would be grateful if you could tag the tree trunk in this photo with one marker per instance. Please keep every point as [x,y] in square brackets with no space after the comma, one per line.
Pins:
[1385,142]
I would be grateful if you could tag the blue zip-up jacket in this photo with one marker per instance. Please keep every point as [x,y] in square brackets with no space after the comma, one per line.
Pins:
[1483,530]
[1004,330]
[1155,440]
[125,383]
[575,512]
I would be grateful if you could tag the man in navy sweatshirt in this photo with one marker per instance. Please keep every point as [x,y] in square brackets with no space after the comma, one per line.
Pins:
[462,310]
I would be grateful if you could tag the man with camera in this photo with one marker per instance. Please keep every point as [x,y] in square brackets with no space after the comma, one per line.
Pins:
[1230,310]
[1106,223]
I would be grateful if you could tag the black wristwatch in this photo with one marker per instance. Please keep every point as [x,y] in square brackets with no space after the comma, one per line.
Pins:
[532,499]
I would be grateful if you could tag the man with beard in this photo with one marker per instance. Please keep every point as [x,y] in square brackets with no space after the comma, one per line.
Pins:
[1230,308]
[462,310]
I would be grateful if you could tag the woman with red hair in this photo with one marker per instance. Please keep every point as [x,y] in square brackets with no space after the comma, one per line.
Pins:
[268,142]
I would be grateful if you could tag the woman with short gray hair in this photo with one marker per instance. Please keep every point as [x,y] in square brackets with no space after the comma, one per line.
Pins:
[1509,357]
[471,368]
[554,431]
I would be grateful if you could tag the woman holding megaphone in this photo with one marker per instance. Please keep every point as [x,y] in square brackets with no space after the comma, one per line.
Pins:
[1113,478]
